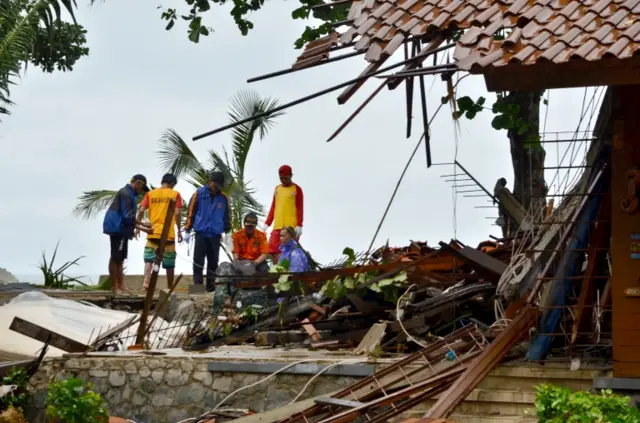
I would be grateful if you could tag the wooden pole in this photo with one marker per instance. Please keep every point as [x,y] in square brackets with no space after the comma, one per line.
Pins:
[155,270]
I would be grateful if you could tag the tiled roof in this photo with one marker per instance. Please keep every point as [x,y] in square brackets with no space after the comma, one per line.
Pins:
[554,31]
[316,51]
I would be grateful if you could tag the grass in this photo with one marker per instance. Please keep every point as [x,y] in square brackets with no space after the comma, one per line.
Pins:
[56,278]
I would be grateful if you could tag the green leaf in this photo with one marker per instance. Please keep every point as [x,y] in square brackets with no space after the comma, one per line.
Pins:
[385,282]
[349,283]
[170,25]
[500,122]
[350,253]
[465,103]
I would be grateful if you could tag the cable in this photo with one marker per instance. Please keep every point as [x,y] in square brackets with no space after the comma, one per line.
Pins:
[331,366]
[263,380]
[400,322]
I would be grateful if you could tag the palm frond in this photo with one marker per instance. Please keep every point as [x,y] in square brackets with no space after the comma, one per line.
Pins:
[245,104]
[91,203]
[19,22]
[175,155]
[220,163]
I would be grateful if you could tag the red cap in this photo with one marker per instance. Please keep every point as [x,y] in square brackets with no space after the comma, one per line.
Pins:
[285,170]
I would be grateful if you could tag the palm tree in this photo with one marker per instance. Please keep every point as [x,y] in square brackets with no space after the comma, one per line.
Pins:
[19,20]
[176,157]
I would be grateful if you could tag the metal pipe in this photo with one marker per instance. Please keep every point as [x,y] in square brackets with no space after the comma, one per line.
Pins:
[322,92]
[291,70]
[476,181]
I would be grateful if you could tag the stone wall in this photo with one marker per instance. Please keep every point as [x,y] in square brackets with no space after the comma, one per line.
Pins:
[170,389]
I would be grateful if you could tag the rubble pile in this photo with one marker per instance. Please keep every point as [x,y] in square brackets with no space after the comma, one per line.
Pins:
[397,299]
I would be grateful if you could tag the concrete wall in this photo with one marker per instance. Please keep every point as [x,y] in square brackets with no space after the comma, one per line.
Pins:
[172,389]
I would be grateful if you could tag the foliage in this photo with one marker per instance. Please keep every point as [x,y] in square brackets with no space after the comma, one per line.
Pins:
[507,116]
[283,284]
[329,15]
[18,398]
[251,312]
[193,15]
[339,287]
[70,401]
[556,404]
[32,30]
[176,157]
[56,278]
[62,49]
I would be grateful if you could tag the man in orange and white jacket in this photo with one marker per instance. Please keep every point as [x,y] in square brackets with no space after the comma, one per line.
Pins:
[286,210]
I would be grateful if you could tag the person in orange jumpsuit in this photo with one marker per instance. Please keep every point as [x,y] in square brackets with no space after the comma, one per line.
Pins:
[286,210]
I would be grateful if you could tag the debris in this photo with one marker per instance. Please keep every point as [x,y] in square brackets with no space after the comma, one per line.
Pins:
[372,339]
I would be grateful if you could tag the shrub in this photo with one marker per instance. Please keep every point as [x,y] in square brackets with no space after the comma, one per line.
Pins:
[555,404]
[18,398]
[71,402]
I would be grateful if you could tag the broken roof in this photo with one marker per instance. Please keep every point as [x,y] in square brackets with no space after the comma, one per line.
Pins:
[513,35]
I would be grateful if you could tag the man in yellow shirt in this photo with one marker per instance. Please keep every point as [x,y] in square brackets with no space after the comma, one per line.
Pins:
[286,210]
[157,202]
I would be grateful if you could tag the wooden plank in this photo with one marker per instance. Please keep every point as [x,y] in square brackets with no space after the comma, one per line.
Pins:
[338,402]
[626,369]
[573,73]
[41,334]
[155,270]
[483,364]
[352,370]
[311,330]
[482,263]
[372,339]
[416,322]
[624,269]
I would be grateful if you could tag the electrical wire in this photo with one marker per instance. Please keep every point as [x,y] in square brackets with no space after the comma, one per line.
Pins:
[423,345]
[329,367]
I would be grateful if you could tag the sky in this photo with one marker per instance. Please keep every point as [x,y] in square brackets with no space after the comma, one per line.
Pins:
[95,127]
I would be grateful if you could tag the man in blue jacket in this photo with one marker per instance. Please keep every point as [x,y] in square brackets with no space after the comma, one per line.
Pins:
[120,224]
[210,217]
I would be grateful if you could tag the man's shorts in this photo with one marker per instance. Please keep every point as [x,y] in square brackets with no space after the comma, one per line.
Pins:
[168,258]
[274,242]
[119,248]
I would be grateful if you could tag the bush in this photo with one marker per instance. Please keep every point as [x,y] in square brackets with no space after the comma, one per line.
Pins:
[71,402]
[555,404]
[18,398]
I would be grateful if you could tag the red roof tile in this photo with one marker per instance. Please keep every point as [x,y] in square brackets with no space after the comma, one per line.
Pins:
[534,31]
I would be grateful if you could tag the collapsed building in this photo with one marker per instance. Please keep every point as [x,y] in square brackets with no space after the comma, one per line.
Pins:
[423,330]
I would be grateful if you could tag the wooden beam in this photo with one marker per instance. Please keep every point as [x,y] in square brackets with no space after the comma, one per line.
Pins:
[575,73]
[155,270]
[483,364]
[338,402]
[41,334]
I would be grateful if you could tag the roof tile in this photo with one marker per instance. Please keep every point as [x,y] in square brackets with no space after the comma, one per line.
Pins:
[633,32]
[536,30]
